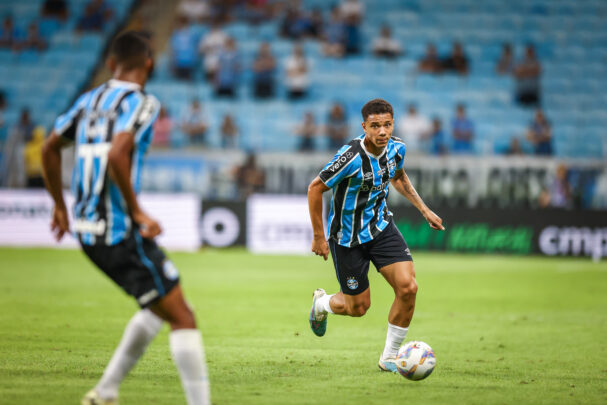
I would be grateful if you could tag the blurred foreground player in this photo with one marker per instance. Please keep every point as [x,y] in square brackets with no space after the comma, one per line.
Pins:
[111,127]
[361,228]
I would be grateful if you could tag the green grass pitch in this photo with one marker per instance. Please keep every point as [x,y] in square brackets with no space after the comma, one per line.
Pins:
[506,330]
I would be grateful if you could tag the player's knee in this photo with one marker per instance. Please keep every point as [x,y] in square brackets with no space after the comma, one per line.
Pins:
[182,318]
[359,309]
[407,288]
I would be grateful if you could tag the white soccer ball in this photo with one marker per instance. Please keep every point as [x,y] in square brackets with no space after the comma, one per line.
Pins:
[415,360]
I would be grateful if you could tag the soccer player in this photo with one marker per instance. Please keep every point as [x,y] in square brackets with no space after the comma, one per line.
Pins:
[111,127]
[361,229]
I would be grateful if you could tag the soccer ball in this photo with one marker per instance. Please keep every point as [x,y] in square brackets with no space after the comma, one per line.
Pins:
[415,361]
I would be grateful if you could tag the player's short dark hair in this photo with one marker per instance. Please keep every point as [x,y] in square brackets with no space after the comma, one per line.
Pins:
[377,106]
[131,49]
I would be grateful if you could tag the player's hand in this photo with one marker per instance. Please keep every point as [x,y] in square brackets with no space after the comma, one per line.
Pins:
[320,247]
[149,228]
[60,223]
[434,220]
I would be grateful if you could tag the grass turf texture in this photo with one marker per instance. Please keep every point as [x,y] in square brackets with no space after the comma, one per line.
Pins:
[505,330]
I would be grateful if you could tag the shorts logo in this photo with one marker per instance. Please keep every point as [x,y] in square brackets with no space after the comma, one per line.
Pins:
[407,251]
[147,297]
[169,270]
[352,283]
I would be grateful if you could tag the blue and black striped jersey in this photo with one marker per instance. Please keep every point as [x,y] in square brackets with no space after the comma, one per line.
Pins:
[360,183]
[100,212]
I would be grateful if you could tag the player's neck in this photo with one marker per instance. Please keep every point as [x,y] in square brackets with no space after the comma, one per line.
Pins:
[134,76]
[375,150]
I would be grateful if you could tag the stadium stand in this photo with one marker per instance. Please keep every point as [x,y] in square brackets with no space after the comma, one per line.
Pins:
[570,39]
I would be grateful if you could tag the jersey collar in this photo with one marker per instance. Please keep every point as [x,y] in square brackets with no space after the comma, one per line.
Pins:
[124,84]
[362,145]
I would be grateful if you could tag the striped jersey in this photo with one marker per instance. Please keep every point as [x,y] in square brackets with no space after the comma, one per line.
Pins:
[360,183]
[100,212]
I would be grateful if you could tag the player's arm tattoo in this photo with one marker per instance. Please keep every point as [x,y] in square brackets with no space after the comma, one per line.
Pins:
[403,185]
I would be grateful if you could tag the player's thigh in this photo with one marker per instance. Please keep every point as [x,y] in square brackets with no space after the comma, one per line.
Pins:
[401,276]
[351,268]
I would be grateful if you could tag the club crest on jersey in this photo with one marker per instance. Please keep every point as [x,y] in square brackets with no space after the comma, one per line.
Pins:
[170,271]
[352,283]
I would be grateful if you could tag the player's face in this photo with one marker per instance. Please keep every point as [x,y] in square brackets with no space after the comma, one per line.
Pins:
[378,129]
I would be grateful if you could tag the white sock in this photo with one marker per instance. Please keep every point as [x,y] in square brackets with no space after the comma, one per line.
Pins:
[323,303]
[394,339]
[140,331]
[188,354]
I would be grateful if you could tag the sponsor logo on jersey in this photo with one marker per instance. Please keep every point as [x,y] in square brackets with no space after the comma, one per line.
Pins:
[391,164]
[340,161]
[380,187]
[368,175]
[381,172]
[352,283]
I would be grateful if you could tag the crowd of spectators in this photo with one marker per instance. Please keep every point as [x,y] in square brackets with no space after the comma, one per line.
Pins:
[455,61]
[35,35]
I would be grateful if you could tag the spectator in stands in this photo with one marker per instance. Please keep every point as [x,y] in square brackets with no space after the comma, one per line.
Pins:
[386,46]
[334,37]
[559,194]
[307,131]
[527,74]
[229,132]
[194,123]
[264,69]
[9,34]
[351,12]
[438,144]
[255,11]
[250,178]
[195,11]
[316,24]
[228,70]
[32,155]
[2,110]
[96,15]
[337,127]
[297,74]
[24,130]
[415,130]
[540,134]
[463,131]
[430,63]
[457,61]
[515,148]
[162,129]
[505,64]
[210,46]
[34,41]
[183,50]
[294,24]
[56,9]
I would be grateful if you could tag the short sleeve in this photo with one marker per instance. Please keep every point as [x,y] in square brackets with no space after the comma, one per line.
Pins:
[66,124]
[136,114]
[343,165]
[401,150]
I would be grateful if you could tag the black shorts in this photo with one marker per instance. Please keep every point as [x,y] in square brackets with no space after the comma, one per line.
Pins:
[352,264]
[138,266]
